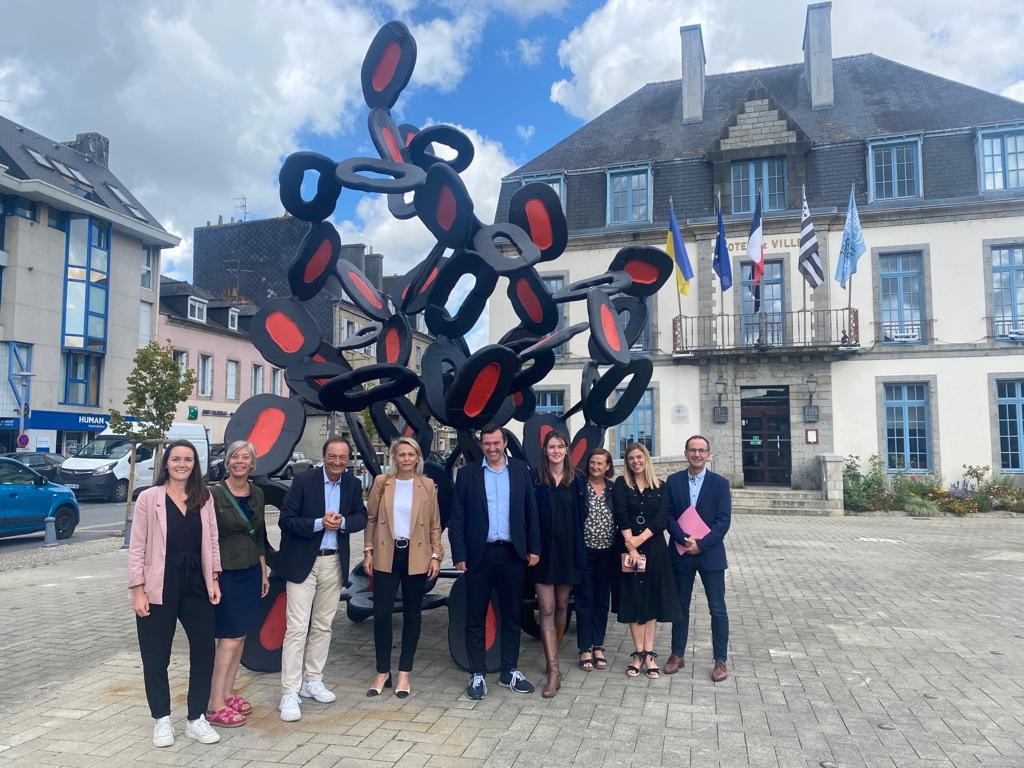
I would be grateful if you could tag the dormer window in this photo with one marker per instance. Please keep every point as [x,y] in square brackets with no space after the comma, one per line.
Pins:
[1002,159]
[895,169]
[629,195]
[197,309]
[766,176]
[232,319]
[556,182]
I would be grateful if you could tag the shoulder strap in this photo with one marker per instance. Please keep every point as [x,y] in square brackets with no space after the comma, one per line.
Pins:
[234,505]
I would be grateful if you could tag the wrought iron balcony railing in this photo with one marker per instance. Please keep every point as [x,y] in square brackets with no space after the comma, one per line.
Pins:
[805,328]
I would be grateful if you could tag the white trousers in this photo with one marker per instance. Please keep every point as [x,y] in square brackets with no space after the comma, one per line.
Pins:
[311,606]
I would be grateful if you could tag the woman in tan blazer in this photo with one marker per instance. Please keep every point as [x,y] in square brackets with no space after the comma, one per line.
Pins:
[402,545]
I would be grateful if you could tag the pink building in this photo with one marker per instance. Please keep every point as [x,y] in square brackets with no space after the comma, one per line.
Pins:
[210,336]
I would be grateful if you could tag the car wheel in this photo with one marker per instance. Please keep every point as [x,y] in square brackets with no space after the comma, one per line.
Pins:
[120,491]
[64,522]
[288,473]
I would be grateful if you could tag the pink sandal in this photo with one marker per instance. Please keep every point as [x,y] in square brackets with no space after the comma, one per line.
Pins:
[240,705]
[226,718]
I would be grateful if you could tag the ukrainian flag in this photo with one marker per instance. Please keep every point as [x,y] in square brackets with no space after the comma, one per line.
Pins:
[676,248]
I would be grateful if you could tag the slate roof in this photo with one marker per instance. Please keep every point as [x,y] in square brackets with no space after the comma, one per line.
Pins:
[169,287]
[15,140]
[874,97]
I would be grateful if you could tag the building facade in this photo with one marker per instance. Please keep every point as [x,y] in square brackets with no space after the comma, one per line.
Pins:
[79,267]
[919,361]
[211,336]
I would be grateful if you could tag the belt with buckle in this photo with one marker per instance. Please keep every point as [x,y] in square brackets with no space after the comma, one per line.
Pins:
[324,552]
[401,543]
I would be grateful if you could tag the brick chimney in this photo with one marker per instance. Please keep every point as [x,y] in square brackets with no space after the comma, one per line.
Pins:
[818,55]
[692,42]
[93,145]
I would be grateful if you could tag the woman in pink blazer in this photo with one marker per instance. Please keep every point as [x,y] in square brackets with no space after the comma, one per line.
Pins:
[173,567]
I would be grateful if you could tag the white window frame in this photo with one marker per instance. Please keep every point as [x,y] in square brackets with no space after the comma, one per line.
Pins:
[181,358]
[231,392]
[146,279]
[233,319]
[197,309]
[204,383]
[918,169]
[256,380]
[630,170]
[276,381]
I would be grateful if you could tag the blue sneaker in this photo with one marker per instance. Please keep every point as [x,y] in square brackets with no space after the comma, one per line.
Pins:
[516,681]
[477,687]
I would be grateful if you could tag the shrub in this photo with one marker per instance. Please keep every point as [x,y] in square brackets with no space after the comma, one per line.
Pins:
[959,499]
[864,491]
[917,507]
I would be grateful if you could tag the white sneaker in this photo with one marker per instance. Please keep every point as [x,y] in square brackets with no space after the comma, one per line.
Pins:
[163,732]
[289,707]
[200,730]
[315,689]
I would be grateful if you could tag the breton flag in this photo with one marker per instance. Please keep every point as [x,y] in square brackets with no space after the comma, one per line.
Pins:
[721,264]
[809,262]
[755,242]
[676,248]
[852,246]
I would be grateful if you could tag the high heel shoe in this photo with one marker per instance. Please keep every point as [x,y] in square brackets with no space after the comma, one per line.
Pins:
[401,692]
[379,691]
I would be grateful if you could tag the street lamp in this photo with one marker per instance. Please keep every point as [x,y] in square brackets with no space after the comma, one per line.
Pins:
[720,413]
[811,410]
[23,378]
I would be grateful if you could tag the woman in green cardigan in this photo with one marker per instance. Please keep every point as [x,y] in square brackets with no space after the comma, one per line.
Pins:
[243,580]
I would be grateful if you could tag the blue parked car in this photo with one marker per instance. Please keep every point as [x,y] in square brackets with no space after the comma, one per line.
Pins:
[27,499]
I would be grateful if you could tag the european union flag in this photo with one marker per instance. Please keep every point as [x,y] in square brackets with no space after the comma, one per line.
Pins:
[721,264]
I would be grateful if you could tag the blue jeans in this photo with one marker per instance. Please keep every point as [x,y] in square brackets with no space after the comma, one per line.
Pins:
[592,598]
[685,568]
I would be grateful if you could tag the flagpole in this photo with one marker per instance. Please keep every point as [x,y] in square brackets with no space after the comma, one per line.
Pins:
[803,192]
[721,304]
[679,298]
[849,283]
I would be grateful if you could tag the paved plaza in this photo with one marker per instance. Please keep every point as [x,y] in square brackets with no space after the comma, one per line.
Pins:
[871,641]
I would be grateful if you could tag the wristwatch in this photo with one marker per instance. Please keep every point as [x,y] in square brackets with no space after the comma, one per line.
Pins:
[436,556]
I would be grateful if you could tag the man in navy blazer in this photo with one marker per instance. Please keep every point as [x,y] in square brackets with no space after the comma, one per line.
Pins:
[709,494]
[494,534]
[319,512]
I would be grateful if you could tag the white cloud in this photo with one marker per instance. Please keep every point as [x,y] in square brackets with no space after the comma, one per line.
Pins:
[201,101]
[530,50]
[627,43]
[1015,91]
[525,132]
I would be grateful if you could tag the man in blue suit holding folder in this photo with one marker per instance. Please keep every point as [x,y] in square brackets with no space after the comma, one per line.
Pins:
[700,552]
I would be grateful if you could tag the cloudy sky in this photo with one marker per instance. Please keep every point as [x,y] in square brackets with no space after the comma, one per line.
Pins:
[201,99]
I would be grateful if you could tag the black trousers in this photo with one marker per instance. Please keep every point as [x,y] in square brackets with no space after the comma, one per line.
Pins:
[592,598]
[503,571]
[385,587]
[156,635]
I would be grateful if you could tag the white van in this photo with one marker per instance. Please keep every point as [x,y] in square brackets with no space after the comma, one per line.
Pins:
[100,469]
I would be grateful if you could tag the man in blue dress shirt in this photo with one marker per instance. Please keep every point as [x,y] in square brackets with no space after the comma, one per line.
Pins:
[494,534]
[709,494]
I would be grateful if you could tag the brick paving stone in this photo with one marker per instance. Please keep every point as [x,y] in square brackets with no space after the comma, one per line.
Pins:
[837,626]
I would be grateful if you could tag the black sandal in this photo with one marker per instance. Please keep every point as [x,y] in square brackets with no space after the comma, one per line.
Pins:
[600,662]
[586,664]
[652,672]
[633,670]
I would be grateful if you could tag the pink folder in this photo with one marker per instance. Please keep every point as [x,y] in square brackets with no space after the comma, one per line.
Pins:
[692,524]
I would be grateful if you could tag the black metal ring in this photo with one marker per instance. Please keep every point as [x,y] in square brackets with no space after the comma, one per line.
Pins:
[447,135]
[609,282]
[328,187]
[405,177]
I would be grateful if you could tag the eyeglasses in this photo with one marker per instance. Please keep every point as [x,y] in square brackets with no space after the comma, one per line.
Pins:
[698,450]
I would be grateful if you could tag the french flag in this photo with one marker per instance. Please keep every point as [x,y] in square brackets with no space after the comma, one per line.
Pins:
[755,242]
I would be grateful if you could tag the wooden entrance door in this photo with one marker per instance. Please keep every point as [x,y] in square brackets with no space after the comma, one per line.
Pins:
[767,447]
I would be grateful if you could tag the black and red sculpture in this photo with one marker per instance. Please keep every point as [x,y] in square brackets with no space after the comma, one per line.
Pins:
[456,387]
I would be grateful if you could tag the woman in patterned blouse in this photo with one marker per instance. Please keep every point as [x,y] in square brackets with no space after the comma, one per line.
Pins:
[594,590]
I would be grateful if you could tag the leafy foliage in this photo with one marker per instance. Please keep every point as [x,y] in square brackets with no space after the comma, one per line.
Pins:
[155,388]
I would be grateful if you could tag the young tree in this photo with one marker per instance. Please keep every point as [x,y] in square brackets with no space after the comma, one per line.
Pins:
[156,386]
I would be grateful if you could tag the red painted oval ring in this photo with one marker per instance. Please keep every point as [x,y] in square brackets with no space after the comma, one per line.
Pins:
[266,430]
[609,329]
[482,389]
[318,263]
[368,293]
[540,224]
[386,66]
[528,298]
[284,331]
[642,272]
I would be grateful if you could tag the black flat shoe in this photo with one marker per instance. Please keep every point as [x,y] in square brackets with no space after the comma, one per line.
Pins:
[379,691]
